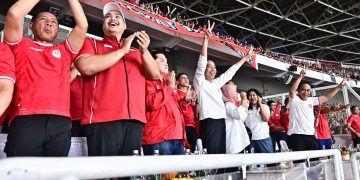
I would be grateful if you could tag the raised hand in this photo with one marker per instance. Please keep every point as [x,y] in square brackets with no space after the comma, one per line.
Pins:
[143,40]
[343,83]
[127,43]
[208,30]
[259,100]
[171,81]
[303,73]
[251,51]
[190,94]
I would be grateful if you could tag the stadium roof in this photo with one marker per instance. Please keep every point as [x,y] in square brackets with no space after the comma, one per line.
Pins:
[322,29]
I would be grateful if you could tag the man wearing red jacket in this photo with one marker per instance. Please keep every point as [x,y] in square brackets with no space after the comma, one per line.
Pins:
[7,80]
[114,87]
[164,130]
[185,93]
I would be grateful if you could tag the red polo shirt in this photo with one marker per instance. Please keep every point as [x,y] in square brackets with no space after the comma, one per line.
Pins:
[7,67]
[7,70]
[117,93]
[163,114]
[323,130]
[42,78]
[76,99]
[354,122]
[187,109]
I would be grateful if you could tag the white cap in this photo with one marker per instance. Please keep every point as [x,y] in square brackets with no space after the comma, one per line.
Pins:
[111,6]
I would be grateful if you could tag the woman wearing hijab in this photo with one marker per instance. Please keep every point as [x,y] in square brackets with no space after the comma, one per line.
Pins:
[236,136]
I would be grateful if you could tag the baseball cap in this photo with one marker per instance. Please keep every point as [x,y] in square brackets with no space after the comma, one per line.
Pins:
[112,7]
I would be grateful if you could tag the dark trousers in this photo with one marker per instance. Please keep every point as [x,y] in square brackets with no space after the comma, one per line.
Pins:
[276,137]
[213,135]
[39,135]
[5,126]
[114,138]
[191,137]
[301,142]
[76,129]
[356,141]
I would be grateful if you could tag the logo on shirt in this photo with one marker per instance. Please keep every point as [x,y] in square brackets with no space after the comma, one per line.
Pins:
[56,53]
[35,49]
[310,105]
[107,46]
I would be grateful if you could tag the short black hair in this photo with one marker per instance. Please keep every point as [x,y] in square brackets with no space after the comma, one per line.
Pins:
[353,108]
[255,91]
[270,102]
[154,52]
[179,75]
[38,13]
[286,101]
[303,83]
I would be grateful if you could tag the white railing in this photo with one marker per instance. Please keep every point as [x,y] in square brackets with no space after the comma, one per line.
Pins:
[107,167]
[355,165]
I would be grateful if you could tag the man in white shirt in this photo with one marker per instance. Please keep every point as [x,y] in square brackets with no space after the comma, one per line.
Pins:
[301,133]
[211,106]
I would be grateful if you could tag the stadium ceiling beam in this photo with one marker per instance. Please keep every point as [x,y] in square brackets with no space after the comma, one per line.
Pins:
[296,22]
[217,14]
[329,47]
[239,12]
[339,10]
[252,30]
[298,42]
[334,22]
[287,15]
[190,6]
[309,26]
[326,20]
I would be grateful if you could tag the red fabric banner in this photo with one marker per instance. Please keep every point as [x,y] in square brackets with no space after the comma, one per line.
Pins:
[179,29]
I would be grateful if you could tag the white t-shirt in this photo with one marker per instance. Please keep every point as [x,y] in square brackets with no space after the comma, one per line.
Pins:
[258,127]
[209,93]
[302,117]
[236,135]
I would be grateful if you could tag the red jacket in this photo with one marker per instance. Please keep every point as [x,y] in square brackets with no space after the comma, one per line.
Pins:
[275,119]
[188,109]
[284,120]
[117,93]
[163,113]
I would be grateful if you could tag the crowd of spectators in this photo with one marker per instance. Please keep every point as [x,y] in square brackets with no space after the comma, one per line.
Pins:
[333,68]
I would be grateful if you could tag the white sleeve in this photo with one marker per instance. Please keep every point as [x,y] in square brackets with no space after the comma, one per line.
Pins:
[232,111]
[315,101]
[200,71]
[226,76]
[267,109]
[243,113]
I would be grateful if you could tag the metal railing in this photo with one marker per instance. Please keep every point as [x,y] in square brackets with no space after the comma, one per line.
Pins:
[355,165]
[116,166]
